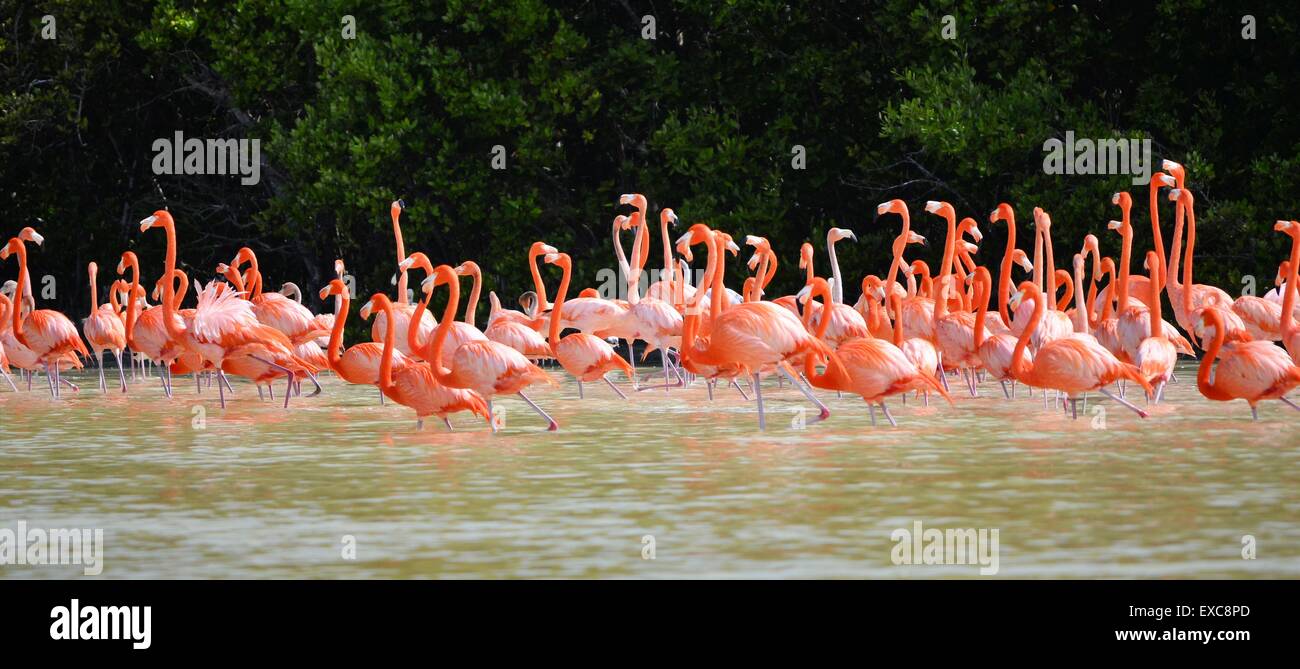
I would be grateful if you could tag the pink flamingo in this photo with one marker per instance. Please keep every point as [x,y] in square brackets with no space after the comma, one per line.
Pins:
[413,384]
[1069,364]
[402,309]
[1290,333]
[994,350]
[585,356]
[484,366]
[1249,370]
[48,333]
[1155,355]
[104,330]
[359,364]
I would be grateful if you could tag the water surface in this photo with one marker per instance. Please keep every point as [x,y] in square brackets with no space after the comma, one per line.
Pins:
[183,489]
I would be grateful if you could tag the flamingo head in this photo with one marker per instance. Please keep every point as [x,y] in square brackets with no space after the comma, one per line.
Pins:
[12,247]
[332,289]
[1283,270]
[805,255]
[1289,227]
[635,199]
[1123,199]
[1002,213]
[968,225]
[939,208]
[417,259]
[560,260]
[128,260]
[1182,196]
[1027,290]
[1020,258]
[395,209]
[668,216]
[1177,170]
[158,219]
[376,301]
[29,234]
[1042,219]
[540,248]
[338,267]
[895,206]
[836,234]
[467,268]
[1168,181]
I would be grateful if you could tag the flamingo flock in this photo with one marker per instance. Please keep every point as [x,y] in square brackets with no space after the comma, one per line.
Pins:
[1096,327]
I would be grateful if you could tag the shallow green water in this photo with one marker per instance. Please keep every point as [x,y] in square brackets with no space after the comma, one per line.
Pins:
[259,492]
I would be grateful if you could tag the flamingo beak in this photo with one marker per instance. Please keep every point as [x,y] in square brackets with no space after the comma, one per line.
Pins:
[1113,225]
[625,198]
[1281,226]
[1114,199]
[849,234]
[803,294]
[551,258]
[121,267]
[1175,194]
[324,292]
[36,237]
[752,240]
[146,223]
[882,209]
[1168,180]
[731,246]
[405,264]
[549,249]
[1169,165]
[1027,265]
[427,284]
[1016,297]
[932,206]
[976,235]
[367,308]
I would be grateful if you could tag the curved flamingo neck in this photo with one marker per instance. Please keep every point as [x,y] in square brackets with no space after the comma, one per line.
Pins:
[540,288]
[18,293]
[1125,256]
[1172,276]
[668,249]
[896,304]
[444,328]
[94,292]
[413,327]
[471,307]
[834,373]
[1289,298]
[1210,390]
[1156,238]
[837,291]
[401,255]
[983,283]
[132,295]
[1004,273]
[560,293]
[1019,367]
[334,351]
[897,264]
[390,338]
[1080,307]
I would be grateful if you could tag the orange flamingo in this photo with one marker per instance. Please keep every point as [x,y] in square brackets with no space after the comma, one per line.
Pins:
[1069,364]
[146,333]
[359,364]
[1290,333]
[104,330]
[585,356]
[1155,355]
[402,308]
[5,305]
[1194,297]
[484,366]
[49,334]
[461,332]
[1248,370]
[994,350]
[872,368]
[413,385]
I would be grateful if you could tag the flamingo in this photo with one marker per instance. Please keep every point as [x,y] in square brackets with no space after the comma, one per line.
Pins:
[461,332]
[146,333]
[1193,297]
[585,356]
[755,336]
[994,349]
[652,320]
[414,385]
[1156,355]
[872,368]
[1249,370]
[50,335]
[224,331]
[845,323]
[1290,333]
[360,363]
[1055,324]
[1070,364]
[402,309]
[483,366]
[953,331]
[104,330]
[5,305]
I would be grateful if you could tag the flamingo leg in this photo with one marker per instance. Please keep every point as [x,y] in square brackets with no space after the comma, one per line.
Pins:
[885,409]
[447,421]
[552,425]
[1004,389]
[758,391]
[580,395]
[1254,412]
[871,408]
[99,364]
[49,376]
[121,374]
[198,384]
[311,377]
[260,396]
[1130,405]
[221,390]
[823,412]
[613,387]
[221,376]
[381,396]
[708,384]
[1289,403]
[8,379]
[740,390]
[492,416]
